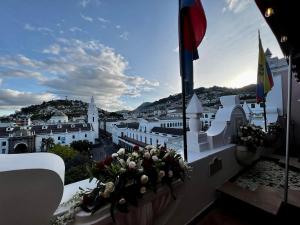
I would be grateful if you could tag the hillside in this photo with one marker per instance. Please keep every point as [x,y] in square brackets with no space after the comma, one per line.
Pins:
[44,111]
[208,96]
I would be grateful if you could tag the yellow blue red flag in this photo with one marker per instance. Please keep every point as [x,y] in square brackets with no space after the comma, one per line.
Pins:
[264,75]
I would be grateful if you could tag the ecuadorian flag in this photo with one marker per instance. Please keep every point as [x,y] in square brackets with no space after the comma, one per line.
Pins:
[264,75]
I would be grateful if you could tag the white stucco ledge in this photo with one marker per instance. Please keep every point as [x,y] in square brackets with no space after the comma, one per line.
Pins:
[70,190]
[195,156]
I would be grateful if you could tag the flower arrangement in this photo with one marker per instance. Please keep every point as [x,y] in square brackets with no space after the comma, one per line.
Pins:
[126,176]
[250,136]
[274,128]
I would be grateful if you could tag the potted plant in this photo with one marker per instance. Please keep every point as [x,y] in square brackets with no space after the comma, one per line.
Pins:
[248,140]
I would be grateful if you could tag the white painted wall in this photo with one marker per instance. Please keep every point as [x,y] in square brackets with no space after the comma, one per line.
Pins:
[65,138]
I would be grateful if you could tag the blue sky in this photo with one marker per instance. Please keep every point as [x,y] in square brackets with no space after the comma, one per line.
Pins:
[121,52]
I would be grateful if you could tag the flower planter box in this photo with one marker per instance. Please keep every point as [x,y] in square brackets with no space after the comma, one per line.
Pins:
[153,208]
[244,156]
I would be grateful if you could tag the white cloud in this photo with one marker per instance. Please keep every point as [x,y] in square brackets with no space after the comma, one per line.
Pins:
[82,69]
[118,26]
[84,3]
[53,49]
[13,99]
[236,5]
[75,29]
[30,27]
[102,20]
[124,35]
[86,18]
[176,49]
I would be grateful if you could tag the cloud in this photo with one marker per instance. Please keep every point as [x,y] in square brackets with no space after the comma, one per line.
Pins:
[84,3]
[53,49]
[236,6]
[13,99]
[86,18]
[82,69]
[176,49]
[124,35]
[30,27]
[75,29]
[102,20]
[118,26]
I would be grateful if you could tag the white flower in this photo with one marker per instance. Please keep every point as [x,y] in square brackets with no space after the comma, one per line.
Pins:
[114,155]
[110,187]
[170,173]
[144,179]
[147,155]
[122,201]
[181,163]
[154,158]
[153,151]
[105,194]
[162,173]
[143,190]
[149,147]
[121,151]
[122,162]
[135,154]
[132,165]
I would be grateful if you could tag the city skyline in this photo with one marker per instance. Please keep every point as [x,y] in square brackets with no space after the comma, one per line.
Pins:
[121,53]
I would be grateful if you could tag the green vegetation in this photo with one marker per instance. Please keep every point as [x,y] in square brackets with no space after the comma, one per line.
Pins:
[82,146]
[75,162]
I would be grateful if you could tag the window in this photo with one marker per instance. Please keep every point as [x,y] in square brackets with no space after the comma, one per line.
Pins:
[206,116]
[168,125]
[63,140]
[73,136]
[93,119]
[4,143]
[141,139]
[213,116]
[85,135]
[252,105]
[3,151]
[59,126]
[150,141]
[146,140]
[58,138]
[261,105]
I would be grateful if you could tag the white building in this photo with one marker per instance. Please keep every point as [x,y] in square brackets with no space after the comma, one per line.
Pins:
[63,134]
[58,117]
[147,132]
[3,144]
[93,117]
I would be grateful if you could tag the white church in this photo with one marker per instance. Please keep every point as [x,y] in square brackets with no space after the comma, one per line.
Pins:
[58,127]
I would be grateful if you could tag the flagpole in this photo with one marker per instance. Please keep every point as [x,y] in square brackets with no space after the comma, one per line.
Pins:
[265,114]
[183,86]
[288,121]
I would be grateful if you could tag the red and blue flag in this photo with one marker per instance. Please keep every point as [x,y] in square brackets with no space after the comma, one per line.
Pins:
[192,28]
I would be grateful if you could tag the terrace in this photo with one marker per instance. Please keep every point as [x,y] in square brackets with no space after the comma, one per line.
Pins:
[220,190]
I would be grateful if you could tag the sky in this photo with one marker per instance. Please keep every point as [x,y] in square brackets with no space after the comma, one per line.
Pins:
[121,52]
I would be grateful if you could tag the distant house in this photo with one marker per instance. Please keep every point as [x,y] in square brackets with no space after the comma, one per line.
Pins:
[58,117]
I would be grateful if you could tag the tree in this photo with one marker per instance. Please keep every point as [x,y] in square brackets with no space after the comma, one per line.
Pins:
[75,162]
[82,146]
[47,143]
[65,152]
